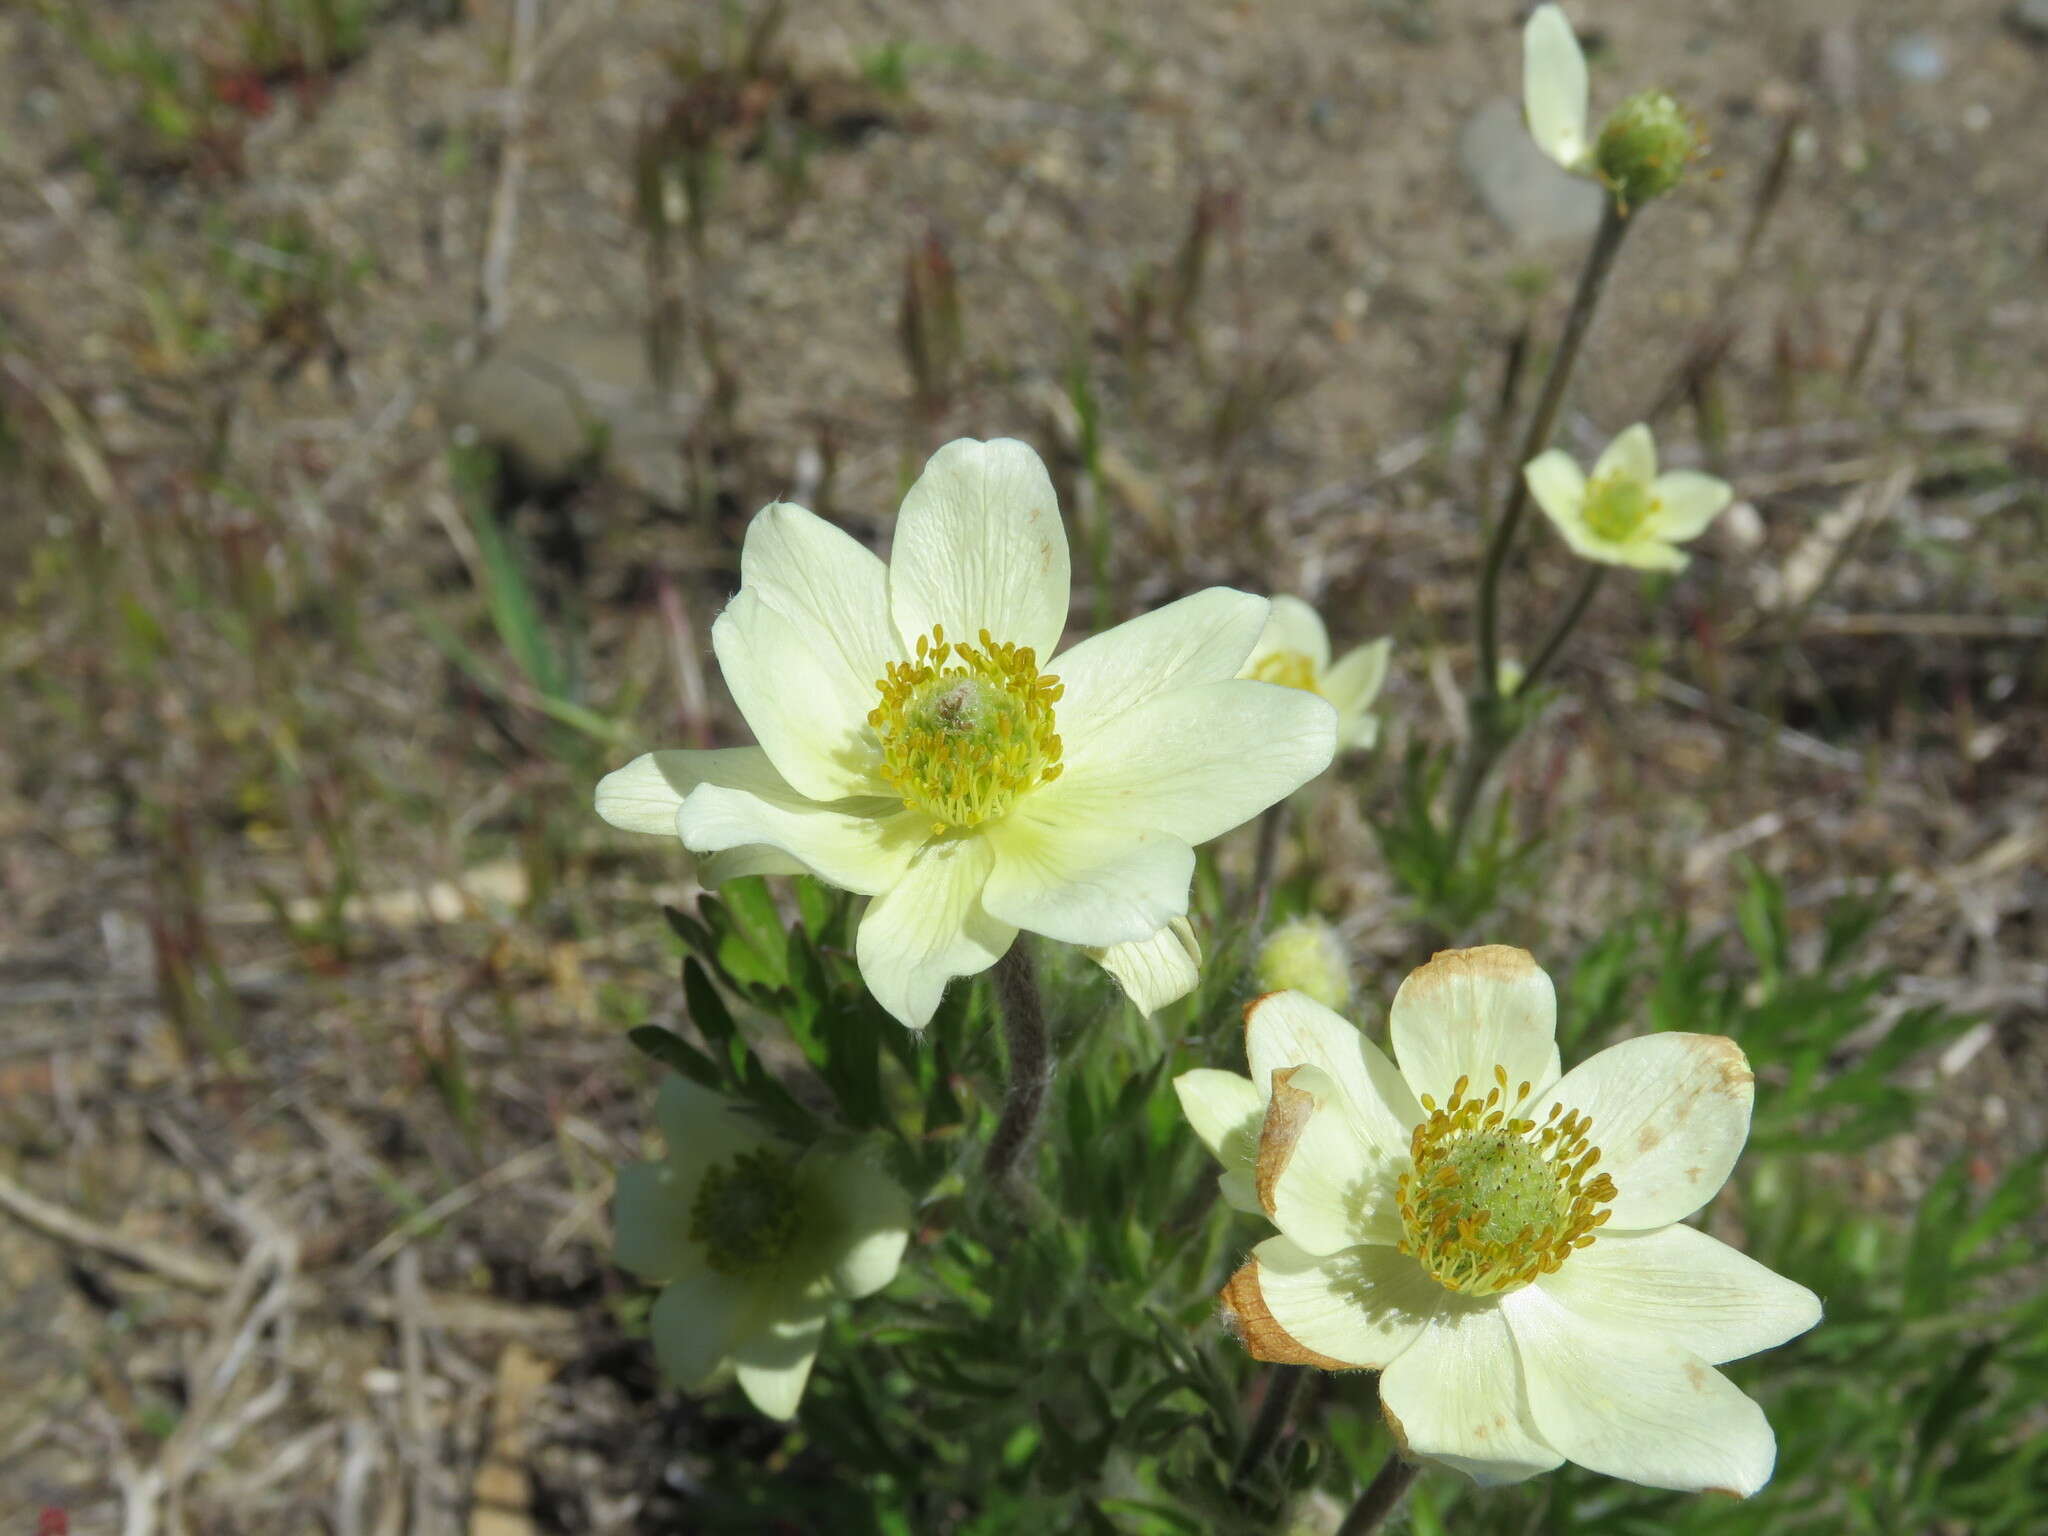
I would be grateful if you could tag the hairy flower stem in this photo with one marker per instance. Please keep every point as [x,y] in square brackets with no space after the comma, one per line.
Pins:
[1283,1386]
[1022,1009]
[1381,1497]
[1489,733]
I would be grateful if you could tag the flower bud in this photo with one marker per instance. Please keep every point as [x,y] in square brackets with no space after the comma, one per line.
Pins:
[1305,955]
[1644,147]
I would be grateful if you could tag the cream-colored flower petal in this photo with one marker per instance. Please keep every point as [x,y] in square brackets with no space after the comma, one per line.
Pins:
[871,1216]
[651,1222]
[1362,1306]
[1558,486]
[696,1324]
[1555,90]
[1634,1405]
[1670,1113]
[1456,1395]
[714,869]
[1642,554]
[930,927]
[1685,1287]
[1470,1010]
[1323,1183]
[1196,762]
[645,795]
[700,1128]
[806,708]
[774,1361]
[1226,1111]
[1292,625]
[1246,1315]
[1355,681]
[1156,971]
[1632,456]
[827,583]
[980,545]
[1686,502]
[1289,1029]
[1084,883]
[1201,638]
[862,846]
[1240,1191]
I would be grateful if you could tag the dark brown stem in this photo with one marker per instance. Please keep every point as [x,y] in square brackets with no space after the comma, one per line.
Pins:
[1381,1497]
[1265,862]
[1592,279]
[1022,1010]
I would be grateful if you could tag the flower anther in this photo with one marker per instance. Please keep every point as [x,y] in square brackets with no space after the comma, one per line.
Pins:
[966,729]
[1494,1198]
[1289,669]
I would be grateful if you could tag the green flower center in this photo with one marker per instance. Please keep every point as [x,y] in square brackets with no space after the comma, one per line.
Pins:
[966,729]
[748,1212]
[1494,1200]
[1617,507]
[1290,669]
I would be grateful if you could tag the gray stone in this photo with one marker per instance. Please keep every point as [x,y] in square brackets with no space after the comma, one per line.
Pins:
[558,395]
[1539,201]
[1918,58]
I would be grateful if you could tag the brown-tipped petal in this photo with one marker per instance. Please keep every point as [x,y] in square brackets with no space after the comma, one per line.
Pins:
[1287,1116]
[1469,1011]
[1245,1310]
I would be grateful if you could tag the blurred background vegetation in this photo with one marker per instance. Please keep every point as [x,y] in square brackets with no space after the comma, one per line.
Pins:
[384,386]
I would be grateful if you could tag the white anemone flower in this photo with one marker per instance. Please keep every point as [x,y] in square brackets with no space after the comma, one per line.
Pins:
[1502,1242]
[752,1244]
[1294,651]
[914,750]
[1627,513]
[1555,90]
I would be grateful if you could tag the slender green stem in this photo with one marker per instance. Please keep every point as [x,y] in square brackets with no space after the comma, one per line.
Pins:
[1022,1009]
[1515,498]
[1488,733]
[1485,737]
[1567,622]
[1383,1495]
[1283,1385]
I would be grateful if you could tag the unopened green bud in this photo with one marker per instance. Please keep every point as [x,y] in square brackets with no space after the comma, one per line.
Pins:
[1305,955]
[1644,147]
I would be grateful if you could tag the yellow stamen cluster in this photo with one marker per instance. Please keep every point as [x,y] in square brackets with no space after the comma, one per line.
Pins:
[1290,669]
[966,729]
[1617,507]
[1493,1199]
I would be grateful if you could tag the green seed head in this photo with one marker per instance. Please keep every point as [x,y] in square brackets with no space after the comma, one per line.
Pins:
[1502,1184]
[1305,955]
[749,1212]
[1644,148]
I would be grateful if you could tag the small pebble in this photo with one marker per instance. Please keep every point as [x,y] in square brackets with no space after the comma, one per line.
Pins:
[1918,57]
